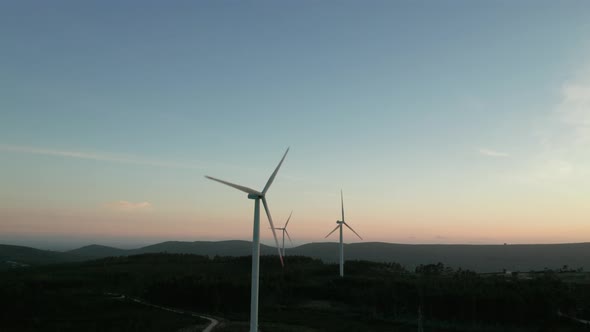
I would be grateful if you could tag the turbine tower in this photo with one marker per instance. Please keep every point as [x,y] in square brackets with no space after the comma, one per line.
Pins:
[284,229]
[257,197]
[340,223]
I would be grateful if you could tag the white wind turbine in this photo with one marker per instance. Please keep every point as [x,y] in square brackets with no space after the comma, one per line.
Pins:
[284,229]
[340,223]
[257,197]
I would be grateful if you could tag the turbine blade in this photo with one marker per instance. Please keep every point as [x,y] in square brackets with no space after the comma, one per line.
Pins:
[357,234]
[272,177]
[274,234]
[288,220]
[332,231]
[289,237]
[237,186]
[342,201]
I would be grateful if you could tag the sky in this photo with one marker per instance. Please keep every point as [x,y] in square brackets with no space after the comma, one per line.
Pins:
[441,121]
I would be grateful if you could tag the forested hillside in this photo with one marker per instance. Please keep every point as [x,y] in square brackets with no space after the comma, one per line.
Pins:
[307,293]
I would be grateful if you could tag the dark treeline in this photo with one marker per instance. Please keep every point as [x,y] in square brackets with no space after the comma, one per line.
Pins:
[369,292]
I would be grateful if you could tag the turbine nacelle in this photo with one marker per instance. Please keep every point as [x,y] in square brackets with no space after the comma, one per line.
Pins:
[339,226]
[257,195]
[342,222]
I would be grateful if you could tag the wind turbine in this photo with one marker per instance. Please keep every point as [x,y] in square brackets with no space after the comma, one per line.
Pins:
[340,223]
[257,197]
[284,229]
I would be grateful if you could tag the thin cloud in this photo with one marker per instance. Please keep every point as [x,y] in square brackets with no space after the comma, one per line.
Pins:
[554,169]
[574,110]
[125,159]
[129,206]
[493,153]
[544,171]
[565,136]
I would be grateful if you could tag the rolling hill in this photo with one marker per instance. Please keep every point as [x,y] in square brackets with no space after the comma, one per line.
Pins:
[221,248]
[14,256]
[94,251]
[480,258]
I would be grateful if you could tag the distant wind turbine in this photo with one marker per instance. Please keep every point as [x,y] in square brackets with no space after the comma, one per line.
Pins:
[340,223]
[257,197]
[284,229]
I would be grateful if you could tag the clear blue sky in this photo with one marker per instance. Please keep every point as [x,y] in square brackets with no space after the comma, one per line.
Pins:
[442,121]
